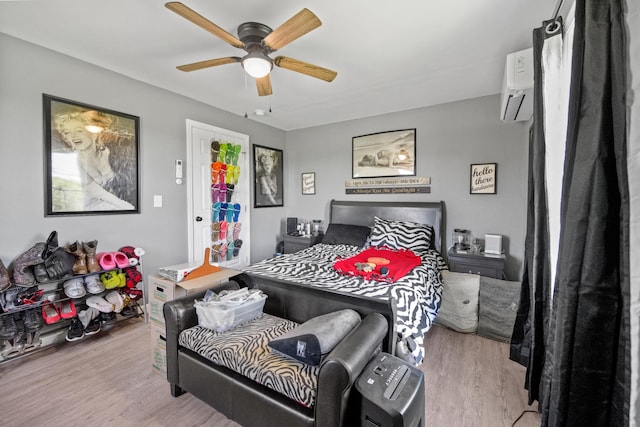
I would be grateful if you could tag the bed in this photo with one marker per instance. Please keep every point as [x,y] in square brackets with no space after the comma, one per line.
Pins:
[411,303]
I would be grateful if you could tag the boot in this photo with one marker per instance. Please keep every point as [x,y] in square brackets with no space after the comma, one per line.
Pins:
[4,277]
[23,265]
[90,250]
[80,266]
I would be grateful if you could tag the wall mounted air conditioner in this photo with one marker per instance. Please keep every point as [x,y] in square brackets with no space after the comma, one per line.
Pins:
[517,87]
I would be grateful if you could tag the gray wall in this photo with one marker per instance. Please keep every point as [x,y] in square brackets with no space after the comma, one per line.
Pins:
[26,72]
[449,138]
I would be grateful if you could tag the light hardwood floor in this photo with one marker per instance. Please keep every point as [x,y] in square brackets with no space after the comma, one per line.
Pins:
[106,380]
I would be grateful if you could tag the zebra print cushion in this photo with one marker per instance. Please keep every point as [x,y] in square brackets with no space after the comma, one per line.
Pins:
[401,235]
[244,350]
[417,294]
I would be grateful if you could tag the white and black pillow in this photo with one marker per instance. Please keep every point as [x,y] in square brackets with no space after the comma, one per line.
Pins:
[401,235]
[312,341]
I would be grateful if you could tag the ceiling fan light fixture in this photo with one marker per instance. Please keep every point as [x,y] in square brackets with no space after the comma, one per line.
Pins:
[257,65]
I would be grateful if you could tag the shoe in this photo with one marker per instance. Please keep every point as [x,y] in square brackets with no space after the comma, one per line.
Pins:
[100,304]
[93,284]
[5,282]
[129,311]
[10,298]
[108,321]
[80,265]
[122,279]
[130,252]
[110,279]
[67,309]
[50,313]
[133,277]
[74,288]
[121,260]
[116,300]
[134,293]
[237,245]
[90,251]
[86,316]
[106,261]
[236,211]
[32,320]
[75,332]
[93,327]
[8,327]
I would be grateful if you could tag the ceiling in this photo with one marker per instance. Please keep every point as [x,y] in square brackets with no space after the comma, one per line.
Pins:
[390,56]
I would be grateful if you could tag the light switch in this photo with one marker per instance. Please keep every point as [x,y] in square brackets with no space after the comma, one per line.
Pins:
[157,201]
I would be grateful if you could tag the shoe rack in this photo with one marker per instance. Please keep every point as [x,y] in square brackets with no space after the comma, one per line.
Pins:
[55,333]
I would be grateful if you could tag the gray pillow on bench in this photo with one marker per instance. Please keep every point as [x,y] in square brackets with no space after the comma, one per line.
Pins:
[314,339]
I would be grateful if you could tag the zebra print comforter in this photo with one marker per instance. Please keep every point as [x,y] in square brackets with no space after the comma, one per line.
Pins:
[418,294]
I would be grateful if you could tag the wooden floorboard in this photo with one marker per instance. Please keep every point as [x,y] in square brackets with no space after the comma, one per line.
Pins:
[106,380]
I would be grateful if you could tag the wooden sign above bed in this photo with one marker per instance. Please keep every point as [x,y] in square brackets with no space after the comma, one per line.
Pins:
[388,182]
[387,190]
[409,184]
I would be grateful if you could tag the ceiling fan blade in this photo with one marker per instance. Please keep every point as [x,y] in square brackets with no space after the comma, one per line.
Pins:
[305,68]
[264,86]
[204,23]
[297,26]
[208,63]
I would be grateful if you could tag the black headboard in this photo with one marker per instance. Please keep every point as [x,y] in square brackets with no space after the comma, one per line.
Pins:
[363,213]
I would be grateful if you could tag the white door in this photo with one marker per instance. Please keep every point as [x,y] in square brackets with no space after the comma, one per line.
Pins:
[200,158]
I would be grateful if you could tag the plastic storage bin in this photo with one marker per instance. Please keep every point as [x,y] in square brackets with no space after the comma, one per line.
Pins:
[230,310]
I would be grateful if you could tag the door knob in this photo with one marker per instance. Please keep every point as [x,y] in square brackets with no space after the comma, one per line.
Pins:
[198,218]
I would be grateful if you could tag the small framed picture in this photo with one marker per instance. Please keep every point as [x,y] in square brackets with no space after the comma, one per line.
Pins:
[484,178]
[309,183]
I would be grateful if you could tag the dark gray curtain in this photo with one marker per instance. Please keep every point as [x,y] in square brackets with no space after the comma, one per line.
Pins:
[532,318]
[586,365]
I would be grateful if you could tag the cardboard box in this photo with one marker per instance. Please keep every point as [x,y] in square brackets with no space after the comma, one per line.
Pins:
[158,351]
[178,272]
[163,290]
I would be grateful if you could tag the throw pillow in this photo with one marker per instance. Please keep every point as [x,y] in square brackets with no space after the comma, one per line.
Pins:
[401,235]
[346,234]
[313,340]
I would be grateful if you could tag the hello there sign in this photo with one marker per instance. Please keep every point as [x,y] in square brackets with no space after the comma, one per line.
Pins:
[484,178]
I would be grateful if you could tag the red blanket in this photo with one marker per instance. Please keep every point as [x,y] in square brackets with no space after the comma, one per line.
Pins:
[365,264]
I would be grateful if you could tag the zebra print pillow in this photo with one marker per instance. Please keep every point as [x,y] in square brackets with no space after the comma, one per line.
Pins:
[401,235]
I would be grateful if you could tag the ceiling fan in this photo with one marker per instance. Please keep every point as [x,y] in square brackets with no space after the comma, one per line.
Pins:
[258,40]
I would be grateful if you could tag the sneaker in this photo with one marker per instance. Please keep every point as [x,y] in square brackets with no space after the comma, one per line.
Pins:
[108,321]
[93,327]
[32,320]
[129,311]
[75,331]
[93,284]
[74,288]
[8,327]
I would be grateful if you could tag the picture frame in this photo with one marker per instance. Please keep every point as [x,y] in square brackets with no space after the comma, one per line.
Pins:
[483,178]
[384,154]
[268,175]
[91,159]
[308,183]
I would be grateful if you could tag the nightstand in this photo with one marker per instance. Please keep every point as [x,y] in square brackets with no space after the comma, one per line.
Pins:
[488,265]
[296,243]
